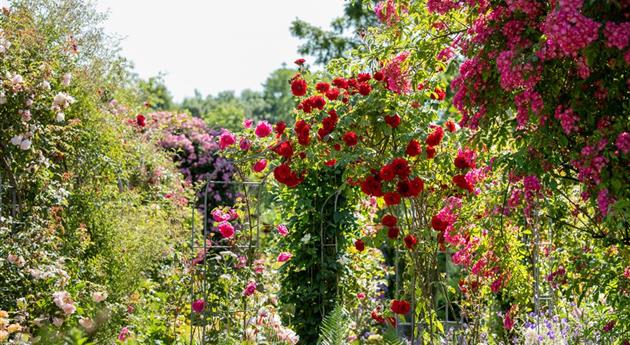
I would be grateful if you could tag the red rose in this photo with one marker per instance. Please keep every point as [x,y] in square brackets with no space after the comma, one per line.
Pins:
[465,159]
[389,220]
[302,130]
[299,62]
[401,167]
[337,147]
[450,125]
[410,241]
[460,181]
[401,307]
[352,84]
[365,89]
[332,94]
[359,245]
[438,224]
[430,152]
[322,87]
[363,77]
[438,94]
[298,87]
[392,233]
[372,186]
[280,127]
[387,173]
[410,188]
[392,198]
[392,121]
[378,76]
[340,83]
[435,137]
[331,163]
[141,120]
[317,102]
[376,317]
[283,174]
[284,149]
[350,138]
[413,148]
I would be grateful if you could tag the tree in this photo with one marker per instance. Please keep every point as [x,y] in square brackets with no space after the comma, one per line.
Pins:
[327,45]
[155,94]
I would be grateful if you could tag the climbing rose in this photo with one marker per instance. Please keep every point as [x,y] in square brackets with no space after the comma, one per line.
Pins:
[401,307]
[250,288]
[401,167]
[389,220]
[245,144]
[397,80]
[410,241]
[226,139]
[284,149]
[413,148]
[124,333]
[359,245]
[392,233]
[226,229]
[392,121]
[263,129]
[350,138]
[387,173]
[260,165]
[465,159]
[430,152]
[282,230]
[365,89]
[435,137]
[298,87]
[198,306]
[141,120]
[284,257]
[451,126]
[332,94]
[623,142]
[392,198]
[280,127]
[508,323]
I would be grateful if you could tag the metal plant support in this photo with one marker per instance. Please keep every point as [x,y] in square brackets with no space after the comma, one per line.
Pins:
[202,244]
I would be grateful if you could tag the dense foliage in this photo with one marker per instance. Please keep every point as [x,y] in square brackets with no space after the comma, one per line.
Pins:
[457,173]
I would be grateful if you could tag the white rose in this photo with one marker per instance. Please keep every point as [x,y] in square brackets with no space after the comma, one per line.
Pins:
[60,117]
[98,296]
[16,140]
[66,79]
[26,144]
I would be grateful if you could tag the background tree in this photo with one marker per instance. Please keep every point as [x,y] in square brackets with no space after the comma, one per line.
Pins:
[326,45]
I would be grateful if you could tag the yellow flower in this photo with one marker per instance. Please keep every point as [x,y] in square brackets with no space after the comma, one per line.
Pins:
[14,328]
[4,314]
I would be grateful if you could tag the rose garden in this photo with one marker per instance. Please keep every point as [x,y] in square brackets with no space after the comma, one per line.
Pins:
[457,173]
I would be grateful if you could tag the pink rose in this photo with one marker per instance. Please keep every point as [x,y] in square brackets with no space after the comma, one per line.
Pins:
[284,257]
[226,229]
[282,229]
[263,129]
[198,306]
[260,165]
[249,289]
[226,139]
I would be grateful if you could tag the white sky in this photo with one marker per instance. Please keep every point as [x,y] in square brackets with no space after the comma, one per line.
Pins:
[212,45]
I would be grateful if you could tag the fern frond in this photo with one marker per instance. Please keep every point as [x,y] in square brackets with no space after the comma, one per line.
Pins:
[334,328]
